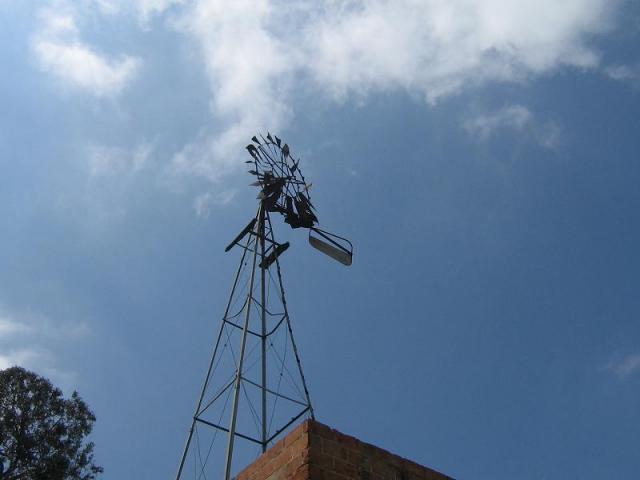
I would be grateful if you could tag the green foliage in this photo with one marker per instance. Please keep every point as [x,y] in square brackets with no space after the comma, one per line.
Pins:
[42,434]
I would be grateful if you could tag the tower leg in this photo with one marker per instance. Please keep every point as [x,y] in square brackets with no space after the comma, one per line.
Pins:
[293,342]
[211,363]
[263,339]
[238,378]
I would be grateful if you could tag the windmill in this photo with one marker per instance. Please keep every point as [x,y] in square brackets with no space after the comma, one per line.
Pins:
[254,388]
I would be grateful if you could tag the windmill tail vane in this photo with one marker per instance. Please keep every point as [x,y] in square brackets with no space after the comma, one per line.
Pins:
[254,387]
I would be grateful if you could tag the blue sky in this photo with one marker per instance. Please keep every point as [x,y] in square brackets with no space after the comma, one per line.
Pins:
[482,157]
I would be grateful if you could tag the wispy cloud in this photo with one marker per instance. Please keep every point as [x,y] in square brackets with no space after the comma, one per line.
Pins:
[251,71]
[516,118]
[61,52]
[205,202]
[549,134]
[624,367]
[148,8]
[9,327]
[34,358]
[106,160]
[110,177]
[28,340]
[624,73]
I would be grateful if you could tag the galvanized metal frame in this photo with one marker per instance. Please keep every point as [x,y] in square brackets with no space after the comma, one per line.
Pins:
[283,190]
[258,237]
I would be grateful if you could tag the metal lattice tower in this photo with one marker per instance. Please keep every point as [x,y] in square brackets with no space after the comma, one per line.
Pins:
[254,388]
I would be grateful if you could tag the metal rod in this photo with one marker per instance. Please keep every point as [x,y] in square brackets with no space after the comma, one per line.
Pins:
[276,393]
[216,397]
[307,408]
[213,357]
[276,327]
[235,325]
[236,393]
[224,429]
[273,314]
[263,301]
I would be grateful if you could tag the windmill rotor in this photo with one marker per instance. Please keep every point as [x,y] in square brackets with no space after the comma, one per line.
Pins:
[284,190]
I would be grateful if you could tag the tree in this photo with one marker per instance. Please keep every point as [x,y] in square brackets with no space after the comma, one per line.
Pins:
[42,434]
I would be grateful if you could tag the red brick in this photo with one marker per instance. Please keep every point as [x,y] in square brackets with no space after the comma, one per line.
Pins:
[313,451]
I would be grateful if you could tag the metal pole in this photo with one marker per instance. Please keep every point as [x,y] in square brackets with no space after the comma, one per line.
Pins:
[263,301]
[213,357]
[236,393]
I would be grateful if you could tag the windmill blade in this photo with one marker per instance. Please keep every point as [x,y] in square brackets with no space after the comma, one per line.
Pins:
[254,152]
[334,246]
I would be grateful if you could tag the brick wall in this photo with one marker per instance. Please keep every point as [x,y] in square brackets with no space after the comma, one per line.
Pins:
[314,451]
[288,459]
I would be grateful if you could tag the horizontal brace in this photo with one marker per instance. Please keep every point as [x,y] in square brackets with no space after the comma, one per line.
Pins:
[241,328]
[227,430]
[275,393]
[288,423]
[254,333]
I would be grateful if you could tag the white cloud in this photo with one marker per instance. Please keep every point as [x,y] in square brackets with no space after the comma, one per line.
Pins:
[105,160]
[205,202]
[27,340]
[144,10]
[149,8]
[549,135]
[258,54]
[84,68]
[108,7]
[25,357]
[439,47]
[624,73]
[60,52]
[516,118]
[9,327]
[110,179]
[625,366]
[195,158]
[250,72]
